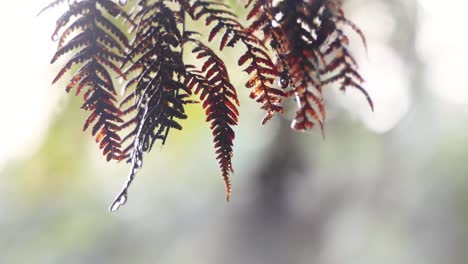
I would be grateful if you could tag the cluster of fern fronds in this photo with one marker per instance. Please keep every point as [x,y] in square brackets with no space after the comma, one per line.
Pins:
[292,48]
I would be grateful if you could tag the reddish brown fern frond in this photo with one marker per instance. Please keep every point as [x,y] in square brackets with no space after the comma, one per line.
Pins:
[262,70]
[311,48]
[340,62]
[281,29]
[220,102]
[98,46]
[306,38]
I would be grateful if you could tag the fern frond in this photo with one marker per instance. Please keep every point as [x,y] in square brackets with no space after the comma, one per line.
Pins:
[311,51]
[256,60]
[98,51]
[340,62]
[220,102]
[159,95]
[300,44]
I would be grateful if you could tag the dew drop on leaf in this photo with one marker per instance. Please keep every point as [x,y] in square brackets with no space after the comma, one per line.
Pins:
[119,201]
[284,79]
[283,83]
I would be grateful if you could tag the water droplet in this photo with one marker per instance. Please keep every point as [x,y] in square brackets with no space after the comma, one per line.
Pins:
[121,199]
[274,24]
[283,83]
[122,2]
[284,79]
[54,37]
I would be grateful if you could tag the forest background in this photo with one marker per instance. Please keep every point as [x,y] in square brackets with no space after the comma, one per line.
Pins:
[383,187]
